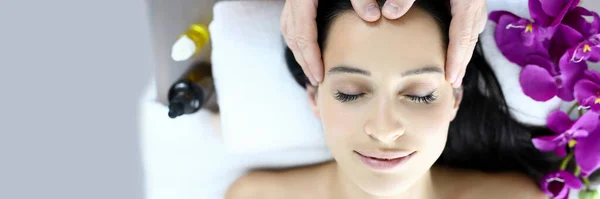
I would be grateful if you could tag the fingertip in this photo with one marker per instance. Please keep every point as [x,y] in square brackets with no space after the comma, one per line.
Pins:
[452,71]
[372,13]
[312,80]
[390,10]
[394,9]
[315,71]
[309,74]
[314,61]
[368,10]
[318,73]
[457,84]
[459,78]
[451,77]
[454,63]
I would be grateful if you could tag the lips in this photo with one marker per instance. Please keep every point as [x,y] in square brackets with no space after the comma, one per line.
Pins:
[384,161]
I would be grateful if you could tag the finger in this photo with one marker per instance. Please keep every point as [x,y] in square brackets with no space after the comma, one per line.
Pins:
[306,37]
[459,81]
[293,45]
[287,29]
[461,40]
[368,10]
[469,54]
[481,21]
[394,9]
[284,19]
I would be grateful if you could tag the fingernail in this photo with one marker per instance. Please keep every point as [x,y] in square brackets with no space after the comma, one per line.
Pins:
[391,8]
[372,12]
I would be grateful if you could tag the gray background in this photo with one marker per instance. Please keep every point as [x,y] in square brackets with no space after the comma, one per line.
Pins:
[71,73]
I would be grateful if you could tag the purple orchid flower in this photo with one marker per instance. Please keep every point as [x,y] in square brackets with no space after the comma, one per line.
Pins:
[578,37]
[542,80]
[587,153]
[587,90]
[567,130]
[549,13]
[576,20]
[517,37]
[557,184]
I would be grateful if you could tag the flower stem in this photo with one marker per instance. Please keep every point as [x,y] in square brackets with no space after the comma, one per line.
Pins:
[565,161]
[577,171]
[572,108]
[580,112]
[586,181]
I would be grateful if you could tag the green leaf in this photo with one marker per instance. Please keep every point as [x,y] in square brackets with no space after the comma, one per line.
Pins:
[589,194]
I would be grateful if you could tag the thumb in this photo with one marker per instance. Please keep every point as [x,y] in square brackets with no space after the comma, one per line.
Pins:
[394,9]
[368,10]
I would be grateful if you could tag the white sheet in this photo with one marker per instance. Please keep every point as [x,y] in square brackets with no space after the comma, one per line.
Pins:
[185,158]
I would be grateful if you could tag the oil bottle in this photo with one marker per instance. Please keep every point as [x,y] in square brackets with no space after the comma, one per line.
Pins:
[192,91]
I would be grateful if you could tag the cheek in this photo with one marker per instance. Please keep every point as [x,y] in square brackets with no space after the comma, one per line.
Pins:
[429,120]
[428,127]
[342,123]
[432,127]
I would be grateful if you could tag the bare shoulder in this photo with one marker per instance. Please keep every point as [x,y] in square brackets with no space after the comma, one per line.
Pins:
[503,185]
[287,183]
[256,184]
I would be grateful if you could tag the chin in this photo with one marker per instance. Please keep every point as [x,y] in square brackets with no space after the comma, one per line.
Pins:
[380,187]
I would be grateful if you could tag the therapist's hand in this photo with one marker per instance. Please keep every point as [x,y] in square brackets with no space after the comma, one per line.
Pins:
[299,29]
[468,21]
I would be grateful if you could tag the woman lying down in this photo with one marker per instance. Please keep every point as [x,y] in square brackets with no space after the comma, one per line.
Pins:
[395,127]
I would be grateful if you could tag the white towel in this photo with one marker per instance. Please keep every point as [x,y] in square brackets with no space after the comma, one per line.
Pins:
[262,107]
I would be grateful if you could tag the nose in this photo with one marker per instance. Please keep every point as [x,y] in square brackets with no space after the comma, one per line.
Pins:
[384,124]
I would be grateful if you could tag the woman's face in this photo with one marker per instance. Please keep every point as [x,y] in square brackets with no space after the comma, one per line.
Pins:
[385,95]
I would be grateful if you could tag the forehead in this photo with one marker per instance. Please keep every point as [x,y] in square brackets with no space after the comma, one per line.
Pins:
[412,41]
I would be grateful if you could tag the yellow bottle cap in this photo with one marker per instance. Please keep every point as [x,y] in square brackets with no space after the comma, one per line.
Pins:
[190,43]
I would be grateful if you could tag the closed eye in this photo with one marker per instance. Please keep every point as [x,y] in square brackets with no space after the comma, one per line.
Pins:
[343,97]
[428,99]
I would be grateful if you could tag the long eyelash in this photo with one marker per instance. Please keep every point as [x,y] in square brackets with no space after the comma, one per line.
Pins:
[428,99]
[342,97]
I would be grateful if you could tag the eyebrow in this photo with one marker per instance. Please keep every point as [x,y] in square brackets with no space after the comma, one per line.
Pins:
[352,70]
[348,69]
[424,70]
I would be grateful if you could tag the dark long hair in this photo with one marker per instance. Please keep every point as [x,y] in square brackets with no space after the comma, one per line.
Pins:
[483,136]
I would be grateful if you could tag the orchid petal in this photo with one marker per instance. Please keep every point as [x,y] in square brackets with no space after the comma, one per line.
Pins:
[585,89]
[571,72]
[554,7]
[592,75]
[565,38]
[510,41]
[576,20]
[537,83]
[537,13]
[560,151]
[545,143]
[559,122]
[588,122]
[571,180]
[587,152]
